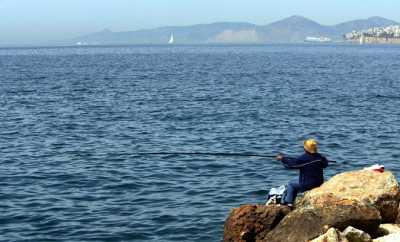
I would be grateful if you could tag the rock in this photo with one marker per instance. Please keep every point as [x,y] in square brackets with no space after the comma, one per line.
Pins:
[380,190]
[252,222]
[388,238]
[385,229]
[361,199]
[306,223]
[332,235]
[355,235]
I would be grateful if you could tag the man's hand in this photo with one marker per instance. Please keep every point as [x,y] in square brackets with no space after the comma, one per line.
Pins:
[279,157]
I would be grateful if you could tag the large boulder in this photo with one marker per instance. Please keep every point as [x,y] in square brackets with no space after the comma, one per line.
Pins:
[306,223]
[252,222]
[380,190]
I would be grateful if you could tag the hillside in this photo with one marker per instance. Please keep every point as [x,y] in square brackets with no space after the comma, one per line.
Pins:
[288,30]
[362,24]
[295,29]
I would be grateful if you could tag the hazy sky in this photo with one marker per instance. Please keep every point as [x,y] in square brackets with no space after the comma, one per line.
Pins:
[24,21]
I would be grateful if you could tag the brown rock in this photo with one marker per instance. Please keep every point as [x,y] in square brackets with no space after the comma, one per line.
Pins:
[252,222]
[361,199]
[380,190]
[306,223]
[333,235]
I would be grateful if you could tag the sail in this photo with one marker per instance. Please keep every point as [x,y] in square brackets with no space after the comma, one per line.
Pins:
[171,39]
[362,39]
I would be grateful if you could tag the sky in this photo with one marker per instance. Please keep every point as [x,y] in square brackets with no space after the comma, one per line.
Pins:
[34,21]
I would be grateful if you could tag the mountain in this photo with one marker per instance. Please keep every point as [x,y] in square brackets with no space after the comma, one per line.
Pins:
[291,29]
[201,33]
[294,29]
[362,24]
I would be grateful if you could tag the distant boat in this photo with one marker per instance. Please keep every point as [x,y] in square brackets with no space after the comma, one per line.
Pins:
[171,39]
[81,43]
[318,39]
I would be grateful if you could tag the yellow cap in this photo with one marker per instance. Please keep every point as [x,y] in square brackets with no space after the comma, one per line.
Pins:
[310,146]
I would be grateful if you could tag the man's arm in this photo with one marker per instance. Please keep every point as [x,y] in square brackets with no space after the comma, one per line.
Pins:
[291,163]
[325,162]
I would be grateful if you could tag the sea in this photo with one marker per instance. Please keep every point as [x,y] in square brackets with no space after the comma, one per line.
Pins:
[76,122]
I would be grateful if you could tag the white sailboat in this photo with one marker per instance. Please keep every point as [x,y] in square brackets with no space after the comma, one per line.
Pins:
[171,39]
[362,39]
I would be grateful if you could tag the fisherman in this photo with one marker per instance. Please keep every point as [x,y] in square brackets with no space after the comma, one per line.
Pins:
[310,164]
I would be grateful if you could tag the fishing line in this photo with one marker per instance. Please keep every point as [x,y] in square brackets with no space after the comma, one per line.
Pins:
[214,154]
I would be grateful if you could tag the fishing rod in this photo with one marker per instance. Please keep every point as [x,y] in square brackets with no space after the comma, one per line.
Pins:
[213,154]
[208,154]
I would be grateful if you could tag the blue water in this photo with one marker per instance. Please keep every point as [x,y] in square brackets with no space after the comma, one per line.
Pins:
[73,120]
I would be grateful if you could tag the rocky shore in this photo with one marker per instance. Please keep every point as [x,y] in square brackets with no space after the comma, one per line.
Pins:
[356,206]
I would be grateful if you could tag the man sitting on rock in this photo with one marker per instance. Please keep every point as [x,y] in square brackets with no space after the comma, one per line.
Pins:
[311,165]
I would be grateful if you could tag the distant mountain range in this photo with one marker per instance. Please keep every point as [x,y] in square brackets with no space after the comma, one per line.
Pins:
[288,30]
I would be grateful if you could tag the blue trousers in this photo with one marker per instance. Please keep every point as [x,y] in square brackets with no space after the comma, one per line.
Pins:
[293,187]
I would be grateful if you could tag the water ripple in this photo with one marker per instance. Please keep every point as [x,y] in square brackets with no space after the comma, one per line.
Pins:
[74,120]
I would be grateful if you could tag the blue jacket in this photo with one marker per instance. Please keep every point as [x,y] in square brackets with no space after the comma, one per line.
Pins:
[311,169]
